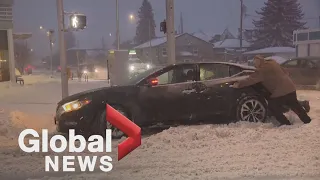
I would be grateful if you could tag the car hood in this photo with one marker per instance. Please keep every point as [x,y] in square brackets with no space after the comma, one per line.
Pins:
[90,92]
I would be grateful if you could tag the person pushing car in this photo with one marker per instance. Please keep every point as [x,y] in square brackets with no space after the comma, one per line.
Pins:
[277,81]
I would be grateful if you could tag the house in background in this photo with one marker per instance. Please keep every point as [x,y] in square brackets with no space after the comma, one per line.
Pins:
[248,34]
[189,48]
[228,48]
[202,35]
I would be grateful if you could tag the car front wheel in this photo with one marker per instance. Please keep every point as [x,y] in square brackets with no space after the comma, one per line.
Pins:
[103,124]
[251,109]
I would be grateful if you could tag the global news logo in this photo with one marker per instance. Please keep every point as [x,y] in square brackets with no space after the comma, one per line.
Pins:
[94,144]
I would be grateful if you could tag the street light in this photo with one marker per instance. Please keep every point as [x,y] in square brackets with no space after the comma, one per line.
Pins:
[131,17]
[50,33]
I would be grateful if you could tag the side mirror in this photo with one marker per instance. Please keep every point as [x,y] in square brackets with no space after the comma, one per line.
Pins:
[153,82]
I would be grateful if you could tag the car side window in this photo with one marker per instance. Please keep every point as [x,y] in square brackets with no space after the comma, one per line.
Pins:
[292,64]
[306,64]
[179,74]
[233,70]
[213,71]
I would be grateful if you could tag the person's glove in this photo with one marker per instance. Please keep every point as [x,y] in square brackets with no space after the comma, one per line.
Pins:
[235,85]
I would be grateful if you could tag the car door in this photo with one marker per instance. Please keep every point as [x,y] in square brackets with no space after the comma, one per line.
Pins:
[172,99]
[214,91]
[292,67]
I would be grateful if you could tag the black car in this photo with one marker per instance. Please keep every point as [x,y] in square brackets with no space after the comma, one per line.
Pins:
[180,93]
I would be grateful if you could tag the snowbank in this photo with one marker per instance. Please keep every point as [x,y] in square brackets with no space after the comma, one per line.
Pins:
[8,88]
[11,125]
[33,79]
[239,151]
[201,152]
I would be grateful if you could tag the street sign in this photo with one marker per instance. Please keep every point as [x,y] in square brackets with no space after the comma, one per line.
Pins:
[78,21]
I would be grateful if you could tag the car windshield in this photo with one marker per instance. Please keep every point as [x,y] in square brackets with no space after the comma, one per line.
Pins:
[138,77]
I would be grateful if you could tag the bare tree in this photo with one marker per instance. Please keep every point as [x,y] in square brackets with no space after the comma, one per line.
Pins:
[22,55]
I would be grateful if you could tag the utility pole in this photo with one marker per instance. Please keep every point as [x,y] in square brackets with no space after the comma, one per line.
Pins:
[241,28]
[118,30]
[181,23]
[78,63]
[150,46]
[170,32]
[63,62]
[50,35]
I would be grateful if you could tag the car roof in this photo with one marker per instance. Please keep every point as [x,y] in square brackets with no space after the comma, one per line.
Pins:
[226,63]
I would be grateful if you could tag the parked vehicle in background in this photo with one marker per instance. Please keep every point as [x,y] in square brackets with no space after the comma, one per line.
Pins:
[28,70]
[92,70]
[304,70]
[136,66]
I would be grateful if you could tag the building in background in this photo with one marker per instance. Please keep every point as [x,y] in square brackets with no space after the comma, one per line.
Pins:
[7,64]
[188,49]
[307,42]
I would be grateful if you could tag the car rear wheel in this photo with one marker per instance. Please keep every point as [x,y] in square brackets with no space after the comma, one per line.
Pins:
[103,124]
[251,109]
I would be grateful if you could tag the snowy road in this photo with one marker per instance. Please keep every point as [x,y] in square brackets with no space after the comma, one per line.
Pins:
[240,151]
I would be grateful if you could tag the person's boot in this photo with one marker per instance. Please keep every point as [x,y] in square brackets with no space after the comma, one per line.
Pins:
[305,105]
[282,124]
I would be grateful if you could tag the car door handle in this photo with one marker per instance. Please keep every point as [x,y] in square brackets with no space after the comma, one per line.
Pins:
[189,91]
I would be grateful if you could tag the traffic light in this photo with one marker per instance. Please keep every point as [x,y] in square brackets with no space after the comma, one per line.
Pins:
[163,27]
[78,21]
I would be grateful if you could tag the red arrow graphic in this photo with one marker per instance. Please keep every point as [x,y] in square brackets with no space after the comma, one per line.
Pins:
[128,127]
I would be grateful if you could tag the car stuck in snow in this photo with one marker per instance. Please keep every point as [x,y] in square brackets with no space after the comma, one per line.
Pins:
[179,93]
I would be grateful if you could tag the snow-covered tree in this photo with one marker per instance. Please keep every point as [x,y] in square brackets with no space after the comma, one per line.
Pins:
[146,24]
[279,18]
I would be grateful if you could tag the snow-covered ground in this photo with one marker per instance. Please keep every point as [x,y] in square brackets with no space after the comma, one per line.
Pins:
[239,151]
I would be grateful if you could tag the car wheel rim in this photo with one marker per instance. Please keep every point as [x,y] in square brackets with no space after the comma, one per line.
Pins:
[253,111]
[115,131]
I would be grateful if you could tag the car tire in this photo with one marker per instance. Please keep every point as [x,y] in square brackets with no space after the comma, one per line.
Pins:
[103,124]
[252,109]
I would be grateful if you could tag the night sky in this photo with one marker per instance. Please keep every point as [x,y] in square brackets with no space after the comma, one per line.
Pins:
[210,16]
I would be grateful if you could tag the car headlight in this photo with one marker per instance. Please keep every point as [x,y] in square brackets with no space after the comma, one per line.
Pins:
[96,70]
[85,72]
[75,105]
[131,68]
[148,66]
